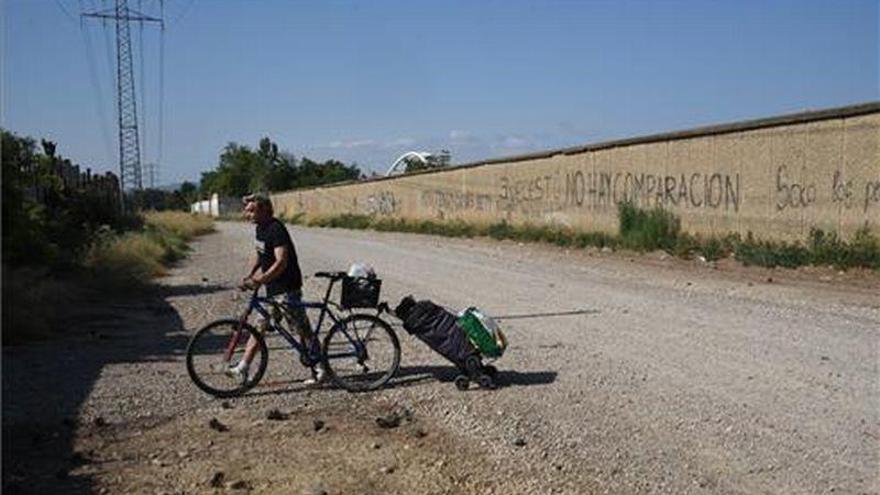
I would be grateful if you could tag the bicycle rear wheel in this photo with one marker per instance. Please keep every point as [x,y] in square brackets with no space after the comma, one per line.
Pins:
[217,347]
[361,353]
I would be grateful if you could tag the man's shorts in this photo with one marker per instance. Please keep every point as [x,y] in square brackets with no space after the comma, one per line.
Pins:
[287,310]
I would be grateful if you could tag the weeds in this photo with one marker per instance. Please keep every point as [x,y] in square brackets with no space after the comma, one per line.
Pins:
[136,257]
[648,230]
[821,249]
[643,230]
[132,258]
[179,224]
[36,299]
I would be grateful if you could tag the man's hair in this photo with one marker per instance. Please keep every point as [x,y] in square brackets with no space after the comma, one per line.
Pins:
[262,201]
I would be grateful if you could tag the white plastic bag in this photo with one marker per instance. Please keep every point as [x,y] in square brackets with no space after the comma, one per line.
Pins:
[361,270]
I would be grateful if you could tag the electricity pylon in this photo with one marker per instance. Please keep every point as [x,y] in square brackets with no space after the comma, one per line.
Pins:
[131,176]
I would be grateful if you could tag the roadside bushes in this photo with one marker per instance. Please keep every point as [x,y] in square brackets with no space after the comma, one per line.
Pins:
[66,239]
[179,224]
[51,209]
[644,230]
[648,230]
[38,299]
[130,258]
[138,256]
[821,249]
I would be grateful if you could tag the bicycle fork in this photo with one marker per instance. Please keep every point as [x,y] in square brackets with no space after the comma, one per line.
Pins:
[233,341]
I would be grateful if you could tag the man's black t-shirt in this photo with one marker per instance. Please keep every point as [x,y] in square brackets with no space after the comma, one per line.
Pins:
[269,236]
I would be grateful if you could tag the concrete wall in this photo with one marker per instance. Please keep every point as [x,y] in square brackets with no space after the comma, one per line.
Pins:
[776,178]
[217,206]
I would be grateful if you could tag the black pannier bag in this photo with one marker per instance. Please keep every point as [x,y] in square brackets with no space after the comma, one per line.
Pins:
[360,292]
[438,328]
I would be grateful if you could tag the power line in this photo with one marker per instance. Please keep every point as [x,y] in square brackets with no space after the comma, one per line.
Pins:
[161,84]
[96,87]
[183,13]
[108,49]
[143,114]
[66,12]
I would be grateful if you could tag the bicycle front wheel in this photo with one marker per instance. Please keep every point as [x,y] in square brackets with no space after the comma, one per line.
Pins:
[216,349]
[361,353]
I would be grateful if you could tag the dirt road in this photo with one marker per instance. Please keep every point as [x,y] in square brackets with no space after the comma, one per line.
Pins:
[648,375]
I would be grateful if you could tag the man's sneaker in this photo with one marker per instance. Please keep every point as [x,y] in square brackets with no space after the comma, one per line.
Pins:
[237,373]
[319,376]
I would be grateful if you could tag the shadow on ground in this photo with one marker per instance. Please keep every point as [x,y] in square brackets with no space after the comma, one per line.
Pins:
[192,289]
[505,378]
[413,375]
[45,385]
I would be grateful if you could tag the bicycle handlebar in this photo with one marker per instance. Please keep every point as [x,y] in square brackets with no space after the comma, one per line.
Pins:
[331,275]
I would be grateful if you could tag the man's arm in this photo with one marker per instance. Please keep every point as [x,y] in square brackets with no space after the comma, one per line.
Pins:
[276,269]
[255,265]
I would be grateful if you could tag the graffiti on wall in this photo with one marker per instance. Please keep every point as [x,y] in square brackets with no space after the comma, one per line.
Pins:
[872,194]
[692,190]
[382,203]
[845,192]
[842,191]
[791,193]
[576,189]
[533,195]
[444,202]
[554,192]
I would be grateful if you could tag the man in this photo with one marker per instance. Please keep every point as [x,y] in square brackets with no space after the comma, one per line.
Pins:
[275,265]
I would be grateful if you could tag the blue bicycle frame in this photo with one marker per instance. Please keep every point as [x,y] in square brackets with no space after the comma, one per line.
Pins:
[259,303]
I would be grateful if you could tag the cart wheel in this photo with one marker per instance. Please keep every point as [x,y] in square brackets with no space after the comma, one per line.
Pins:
[486,382]
[491,371]
[473,365]
[462,382]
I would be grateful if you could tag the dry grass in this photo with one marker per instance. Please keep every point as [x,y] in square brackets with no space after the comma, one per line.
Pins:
[137,257]
[38,300]
[134,256]
[180,224]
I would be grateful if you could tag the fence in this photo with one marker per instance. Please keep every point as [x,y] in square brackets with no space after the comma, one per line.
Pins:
[100,189]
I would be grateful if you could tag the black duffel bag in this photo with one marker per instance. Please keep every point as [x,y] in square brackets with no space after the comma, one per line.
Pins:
[437,327]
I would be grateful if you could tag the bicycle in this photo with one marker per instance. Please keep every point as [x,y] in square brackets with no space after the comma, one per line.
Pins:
[360,351]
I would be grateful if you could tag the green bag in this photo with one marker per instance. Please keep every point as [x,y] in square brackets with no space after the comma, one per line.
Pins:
[483,332]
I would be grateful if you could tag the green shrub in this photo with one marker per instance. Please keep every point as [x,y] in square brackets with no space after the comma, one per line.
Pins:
[770,254]
[711,249]
[345,221]
[595,239]
[502,230]
[864,250]
[647,230]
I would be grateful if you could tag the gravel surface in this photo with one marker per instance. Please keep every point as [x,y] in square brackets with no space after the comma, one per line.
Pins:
[655,376]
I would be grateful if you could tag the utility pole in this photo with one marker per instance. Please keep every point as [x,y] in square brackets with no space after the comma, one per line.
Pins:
[131,176]
[151,171]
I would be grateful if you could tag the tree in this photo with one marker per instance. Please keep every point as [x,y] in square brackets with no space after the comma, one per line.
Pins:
[47,218]
[242,170]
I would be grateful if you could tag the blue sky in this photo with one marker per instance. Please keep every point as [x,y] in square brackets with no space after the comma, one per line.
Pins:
[367,81]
